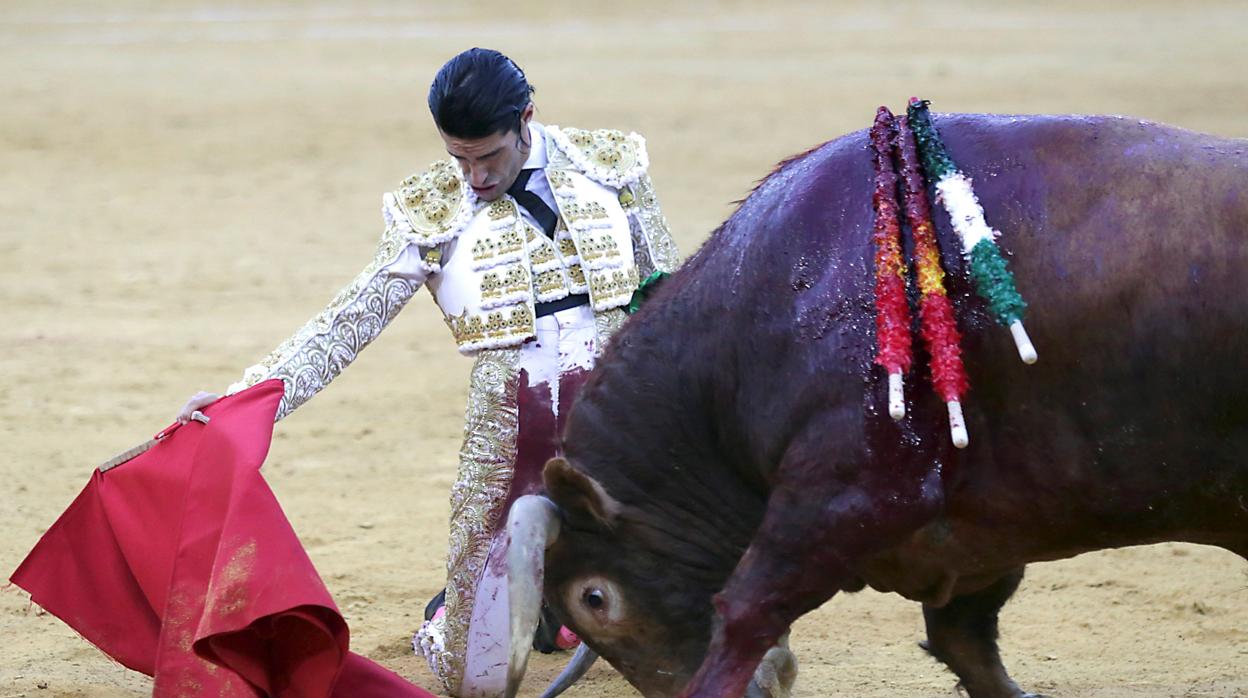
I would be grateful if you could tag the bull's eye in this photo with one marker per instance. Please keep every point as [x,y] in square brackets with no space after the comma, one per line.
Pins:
[595,599]
[597,605]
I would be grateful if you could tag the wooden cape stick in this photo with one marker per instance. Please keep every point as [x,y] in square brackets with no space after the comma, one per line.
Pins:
[146,445]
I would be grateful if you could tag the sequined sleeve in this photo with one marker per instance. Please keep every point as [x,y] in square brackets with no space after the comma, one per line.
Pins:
[330,341]
[653,245]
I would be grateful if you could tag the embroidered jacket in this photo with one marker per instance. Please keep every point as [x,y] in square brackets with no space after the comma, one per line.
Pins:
[484,263]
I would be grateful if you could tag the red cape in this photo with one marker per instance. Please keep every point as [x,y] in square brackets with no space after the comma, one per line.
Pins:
[180,564]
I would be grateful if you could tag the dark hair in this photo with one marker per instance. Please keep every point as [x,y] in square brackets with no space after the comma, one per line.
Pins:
[479,93]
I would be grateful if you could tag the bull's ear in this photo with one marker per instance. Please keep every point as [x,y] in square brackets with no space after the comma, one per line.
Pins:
[578,494]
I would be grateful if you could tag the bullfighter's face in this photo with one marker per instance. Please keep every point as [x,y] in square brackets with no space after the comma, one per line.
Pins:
[492,163]
[631,601]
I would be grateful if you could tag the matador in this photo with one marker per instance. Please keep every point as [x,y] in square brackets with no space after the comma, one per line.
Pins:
[532,240]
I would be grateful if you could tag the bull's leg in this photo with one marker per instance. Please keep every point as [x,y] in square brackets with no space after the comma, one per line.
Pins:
[821,518]
[775,674]
[963,635]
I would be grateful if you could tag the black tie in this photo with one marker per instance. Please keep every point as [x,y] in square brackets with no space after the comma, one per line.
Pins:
[533,203]
[547,219]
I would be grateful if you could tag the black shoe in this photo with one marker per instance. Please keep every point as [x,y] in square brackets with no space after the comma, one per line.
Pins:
[434,604]
[547,632]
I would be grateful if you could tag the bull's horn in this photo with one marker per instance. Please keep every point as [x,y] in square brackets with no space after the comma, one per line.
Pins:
[532,525]
[581,662]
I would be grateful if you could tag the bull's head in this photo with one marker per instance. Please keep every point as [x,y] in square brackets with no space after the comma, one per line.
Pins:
[634,600]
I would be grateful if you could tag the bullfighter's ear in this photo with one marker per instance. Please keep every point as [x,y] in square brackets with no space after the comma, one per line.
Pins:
[579,494]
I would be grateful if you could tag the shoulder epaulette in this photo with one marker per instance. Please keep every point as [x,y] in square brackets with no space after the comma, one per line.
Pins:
[609,157]
[435,203]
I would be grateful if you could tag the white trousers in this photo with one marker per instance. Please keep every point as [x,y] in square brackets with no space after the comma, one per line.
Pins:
[549,371]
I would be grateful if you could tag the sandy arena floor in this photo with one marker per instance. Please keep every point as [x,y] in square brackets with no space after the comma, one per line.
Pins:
[182,185]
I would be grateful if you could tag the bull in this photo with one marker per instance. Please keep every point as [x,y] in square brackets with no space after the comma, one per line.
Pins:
[731,464]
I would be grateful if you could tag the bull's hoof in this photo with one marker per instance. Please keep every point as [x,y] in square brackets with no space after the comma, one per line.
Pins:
[775,675]
[961,690]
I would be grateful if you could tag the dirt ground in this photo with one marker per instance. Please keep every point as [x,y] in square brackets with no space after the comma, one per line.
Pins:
[182,185]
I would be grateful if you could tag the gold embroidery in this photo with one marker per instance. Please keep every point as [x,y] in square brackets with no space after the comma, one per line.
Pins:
[549,281]
[662,247]
[324,355]
[574,212]
[577,275]
[541,251]
[609,288]
[308,360]
[490,247]
[599,246]
[606,324]
[605,147]
[494,327]
[486,461]
[500,209]
[544,254]
[465,328]
[514,278]
[567,247]
[559,179]
[432,199]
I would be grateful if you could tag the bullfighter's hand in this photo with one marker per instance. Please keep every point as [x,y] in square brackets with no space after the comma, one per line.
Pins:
[198,401]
